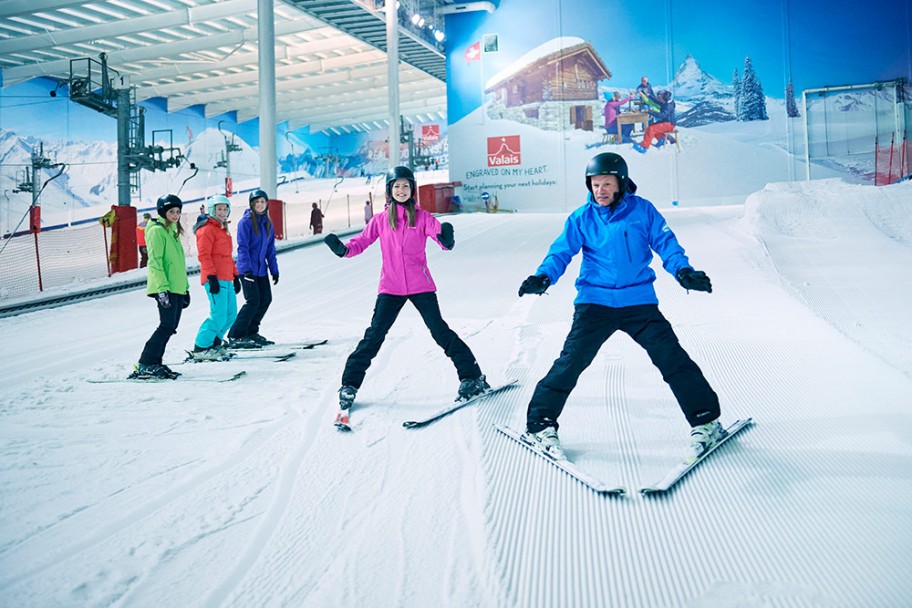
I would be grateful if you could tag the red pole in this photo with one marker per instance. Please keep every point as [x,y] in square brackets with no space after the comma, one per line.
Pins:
[890,170]
[38,261]
[107,254]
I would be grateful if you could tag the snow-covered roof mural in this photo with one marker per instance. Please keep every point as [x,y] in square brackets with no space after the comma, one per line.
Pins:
[552,51]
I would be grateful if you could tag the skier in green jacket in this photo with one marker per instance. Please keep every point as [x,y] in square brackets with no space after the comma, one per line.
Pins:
[167,283]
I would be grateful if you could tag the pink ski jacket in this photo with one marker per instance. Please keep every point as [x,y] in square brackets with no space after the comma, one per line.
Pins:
[404,270]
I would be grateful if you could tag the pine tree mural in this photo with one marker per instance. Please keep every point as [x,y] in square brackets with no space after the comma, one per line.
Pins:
[736,86]
[752,104]
[791,108]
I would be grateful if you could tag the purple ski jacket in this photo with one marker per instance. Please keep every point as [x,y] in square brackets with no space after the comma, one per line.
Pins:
[404,270]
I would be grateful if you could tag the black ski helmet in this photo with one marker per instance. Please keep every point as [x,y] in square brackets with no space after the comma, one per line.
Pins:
[400,172]
[258,194]
[608,163]
[166,202]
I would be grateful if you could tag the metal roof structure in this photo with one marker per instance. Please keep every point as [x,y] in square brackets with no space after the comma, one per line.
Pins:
[330,57]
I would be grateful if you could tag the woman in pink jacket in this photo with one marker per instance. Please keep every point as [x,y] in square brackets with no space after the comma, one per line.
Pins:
[403,230]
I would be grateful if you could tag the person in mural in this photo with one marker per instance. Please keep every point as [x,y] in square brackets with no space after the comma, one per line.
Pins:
[644,93]
[618,232]
[141,240]
[663,124]
[612,108]
[256,260]
[403,231]
[167,283]
[368,211]
[316,219]
[219,277]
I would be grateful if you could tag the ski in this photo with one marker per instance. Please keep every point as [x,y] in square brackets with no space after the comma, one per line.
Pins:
[688,464]
[276,357]
[457,405]
[565,465]
[296,345]
[179,379]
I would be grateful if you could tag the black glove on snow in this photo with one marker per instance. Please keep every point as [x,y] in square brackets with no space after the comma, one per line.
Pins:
[446,236]
[186,301]
[537,283]
[333,242]
[275,280]
[164,300]
[237,284]
[694,279]
[213,284]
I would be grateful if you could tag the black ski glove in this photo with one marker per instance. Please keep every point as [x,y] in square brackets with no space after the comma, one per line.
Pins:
[186,301]
[275,280]
[164,300]
[333,242]
[537,283]
[446,236]
[213,284]
[237,284]
[694,279]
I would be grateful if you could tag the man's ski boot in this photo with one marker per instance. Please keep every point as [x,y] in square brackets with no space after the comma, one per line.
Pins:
[151,371]
[547,441]
[704,436]
[243,343]
[346,399]
[257,338]
[472,387]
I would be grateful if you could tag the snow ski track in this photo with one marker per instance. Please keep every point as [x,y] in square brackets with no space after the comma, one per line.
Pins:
[270,520]
[130,517]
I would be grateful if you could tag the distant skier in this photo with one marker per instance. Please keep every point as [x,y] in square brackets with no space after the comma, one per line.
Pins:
[403,230]
[617,232]
[166,281]
[219,277]
[141,240]
[256,260]
[316,219]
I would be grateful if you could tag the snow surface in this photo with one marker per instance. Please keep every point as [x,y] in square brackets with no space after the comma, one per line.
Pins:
[243,494]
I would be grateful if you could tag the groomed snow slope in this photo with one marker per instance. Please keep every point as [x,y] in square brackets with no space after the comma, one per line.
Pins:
[243,494]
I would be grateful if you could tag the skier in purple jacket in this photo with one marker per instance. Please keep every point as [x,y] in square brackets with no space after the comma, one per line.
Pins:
[403,230]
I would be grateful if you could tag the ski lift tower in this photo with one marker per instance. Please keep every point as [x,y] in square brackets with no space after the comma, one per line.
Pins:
[225,161]
[94,85]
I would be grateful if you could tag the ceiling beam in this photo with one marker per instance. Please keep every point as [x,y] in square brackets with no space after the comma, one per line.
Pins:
[60,68]
[126,27]
[15,8]
[252,76]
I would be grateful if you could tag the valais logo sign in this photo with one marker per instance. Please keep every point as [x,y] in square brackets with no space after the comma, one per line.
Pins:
[504,150]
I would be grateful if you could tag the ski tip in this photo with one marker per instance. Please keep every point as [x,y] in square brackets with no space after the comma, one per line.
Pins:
[410,424]
[344,428]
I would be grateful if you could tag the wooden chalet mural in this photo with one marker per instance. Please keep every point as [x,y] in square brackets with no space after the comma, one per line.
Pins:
[555,91]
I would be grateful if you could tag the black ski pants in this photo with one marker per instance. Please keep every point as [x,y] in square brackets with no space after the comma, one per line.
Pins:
[386,310]
[257,298]
[168,319]
[592,326]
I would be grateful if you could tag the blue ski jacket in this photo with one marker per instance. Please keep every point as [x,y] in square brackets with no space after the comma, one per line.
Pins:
[256,253]
[617,246]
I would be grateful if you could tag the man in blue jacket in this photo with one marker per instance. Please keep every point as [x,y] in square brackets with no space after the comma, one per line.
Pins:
[617,232]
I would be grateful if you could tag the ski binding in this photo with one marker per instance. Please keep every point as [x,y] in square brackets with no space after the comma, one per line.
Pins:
[690,463]
[565,465]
